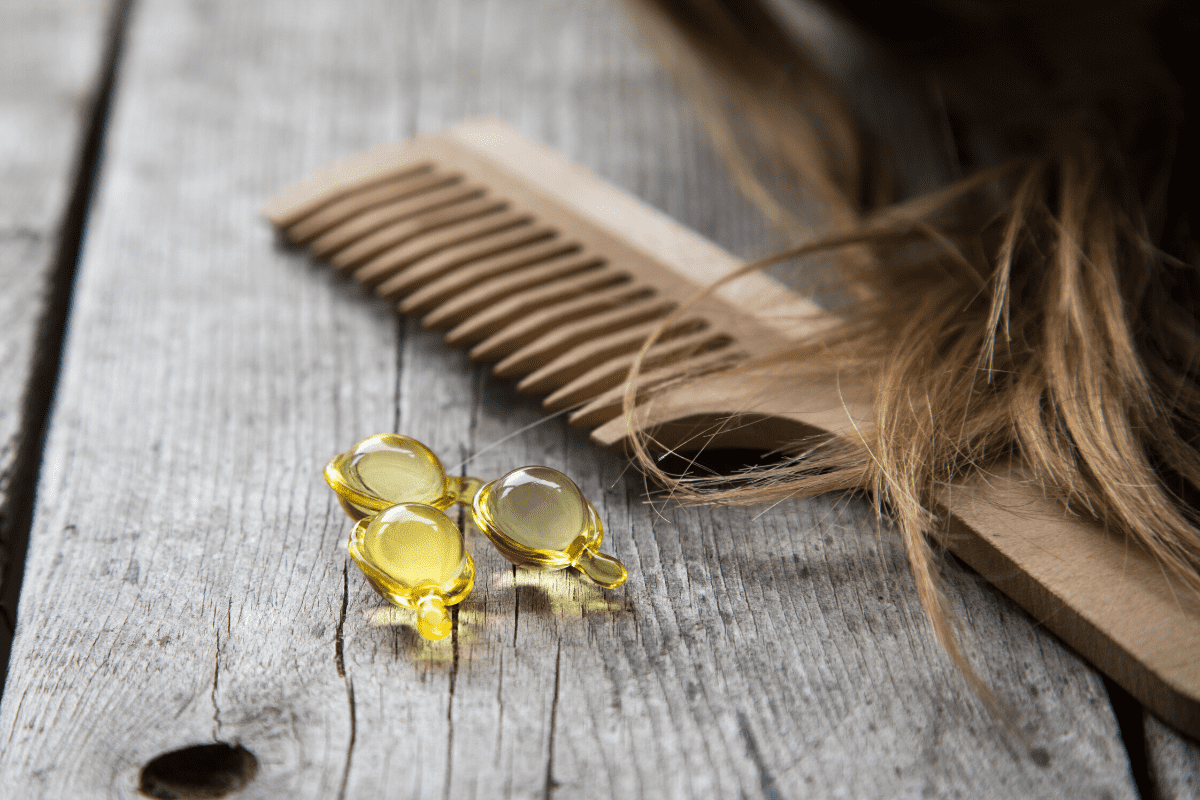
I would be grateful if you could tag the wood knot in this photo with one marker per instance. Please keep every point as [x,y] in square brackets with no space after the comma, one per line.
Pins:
[200,771]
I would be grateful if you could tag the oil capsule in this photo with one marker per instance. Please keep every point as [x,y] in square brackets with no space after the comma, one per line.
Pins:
[389,468]
[414,555]
[538,518]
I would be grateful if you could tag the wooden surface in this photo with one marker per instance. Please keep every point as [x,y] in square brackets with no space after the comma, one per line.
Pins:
[51,64]
[186,581]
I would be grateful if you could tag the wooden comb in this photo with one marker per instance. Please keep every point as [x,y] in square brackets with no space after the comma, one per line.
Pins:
[558,277]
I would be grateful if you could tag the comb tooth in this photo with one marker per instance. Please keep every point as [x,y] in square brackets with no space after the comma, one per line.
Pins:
[595,381]
[414,277]
[467,278]
[600,410]
[369,222]
[608,405]
[389,262]
[529,327]
[397,234]
[594,352]
[339,211]
[549,346]
[484,312]
[289,214]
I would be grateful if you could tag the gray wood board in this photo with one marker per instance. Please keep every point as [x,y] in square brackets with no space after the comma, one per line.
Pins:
[187,580]
[50,65]
[1174,762]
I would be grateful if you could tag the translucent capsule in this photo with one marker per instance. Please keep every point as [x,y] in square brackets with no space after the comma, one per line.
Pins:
[388,468]
[414,555]
[538,518]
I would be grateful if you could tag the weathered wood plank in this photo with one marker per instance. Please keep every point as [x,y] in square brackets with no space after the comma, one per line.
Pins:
[51,66]
[188,584]
[1174,762]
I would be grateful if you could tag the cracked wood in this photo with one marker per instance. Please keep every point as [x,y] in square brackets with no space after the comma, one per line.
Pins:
[52,69]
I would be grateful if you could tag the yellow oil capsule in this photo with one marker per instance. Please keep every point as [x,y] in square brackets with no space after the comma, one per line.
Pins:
[538,518]
[414,555]
[389,468]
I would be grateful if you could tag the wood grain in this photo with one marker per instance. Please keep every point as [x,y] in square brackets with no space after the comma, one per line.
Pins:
[1173,762]
[51,65]
[187,581]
